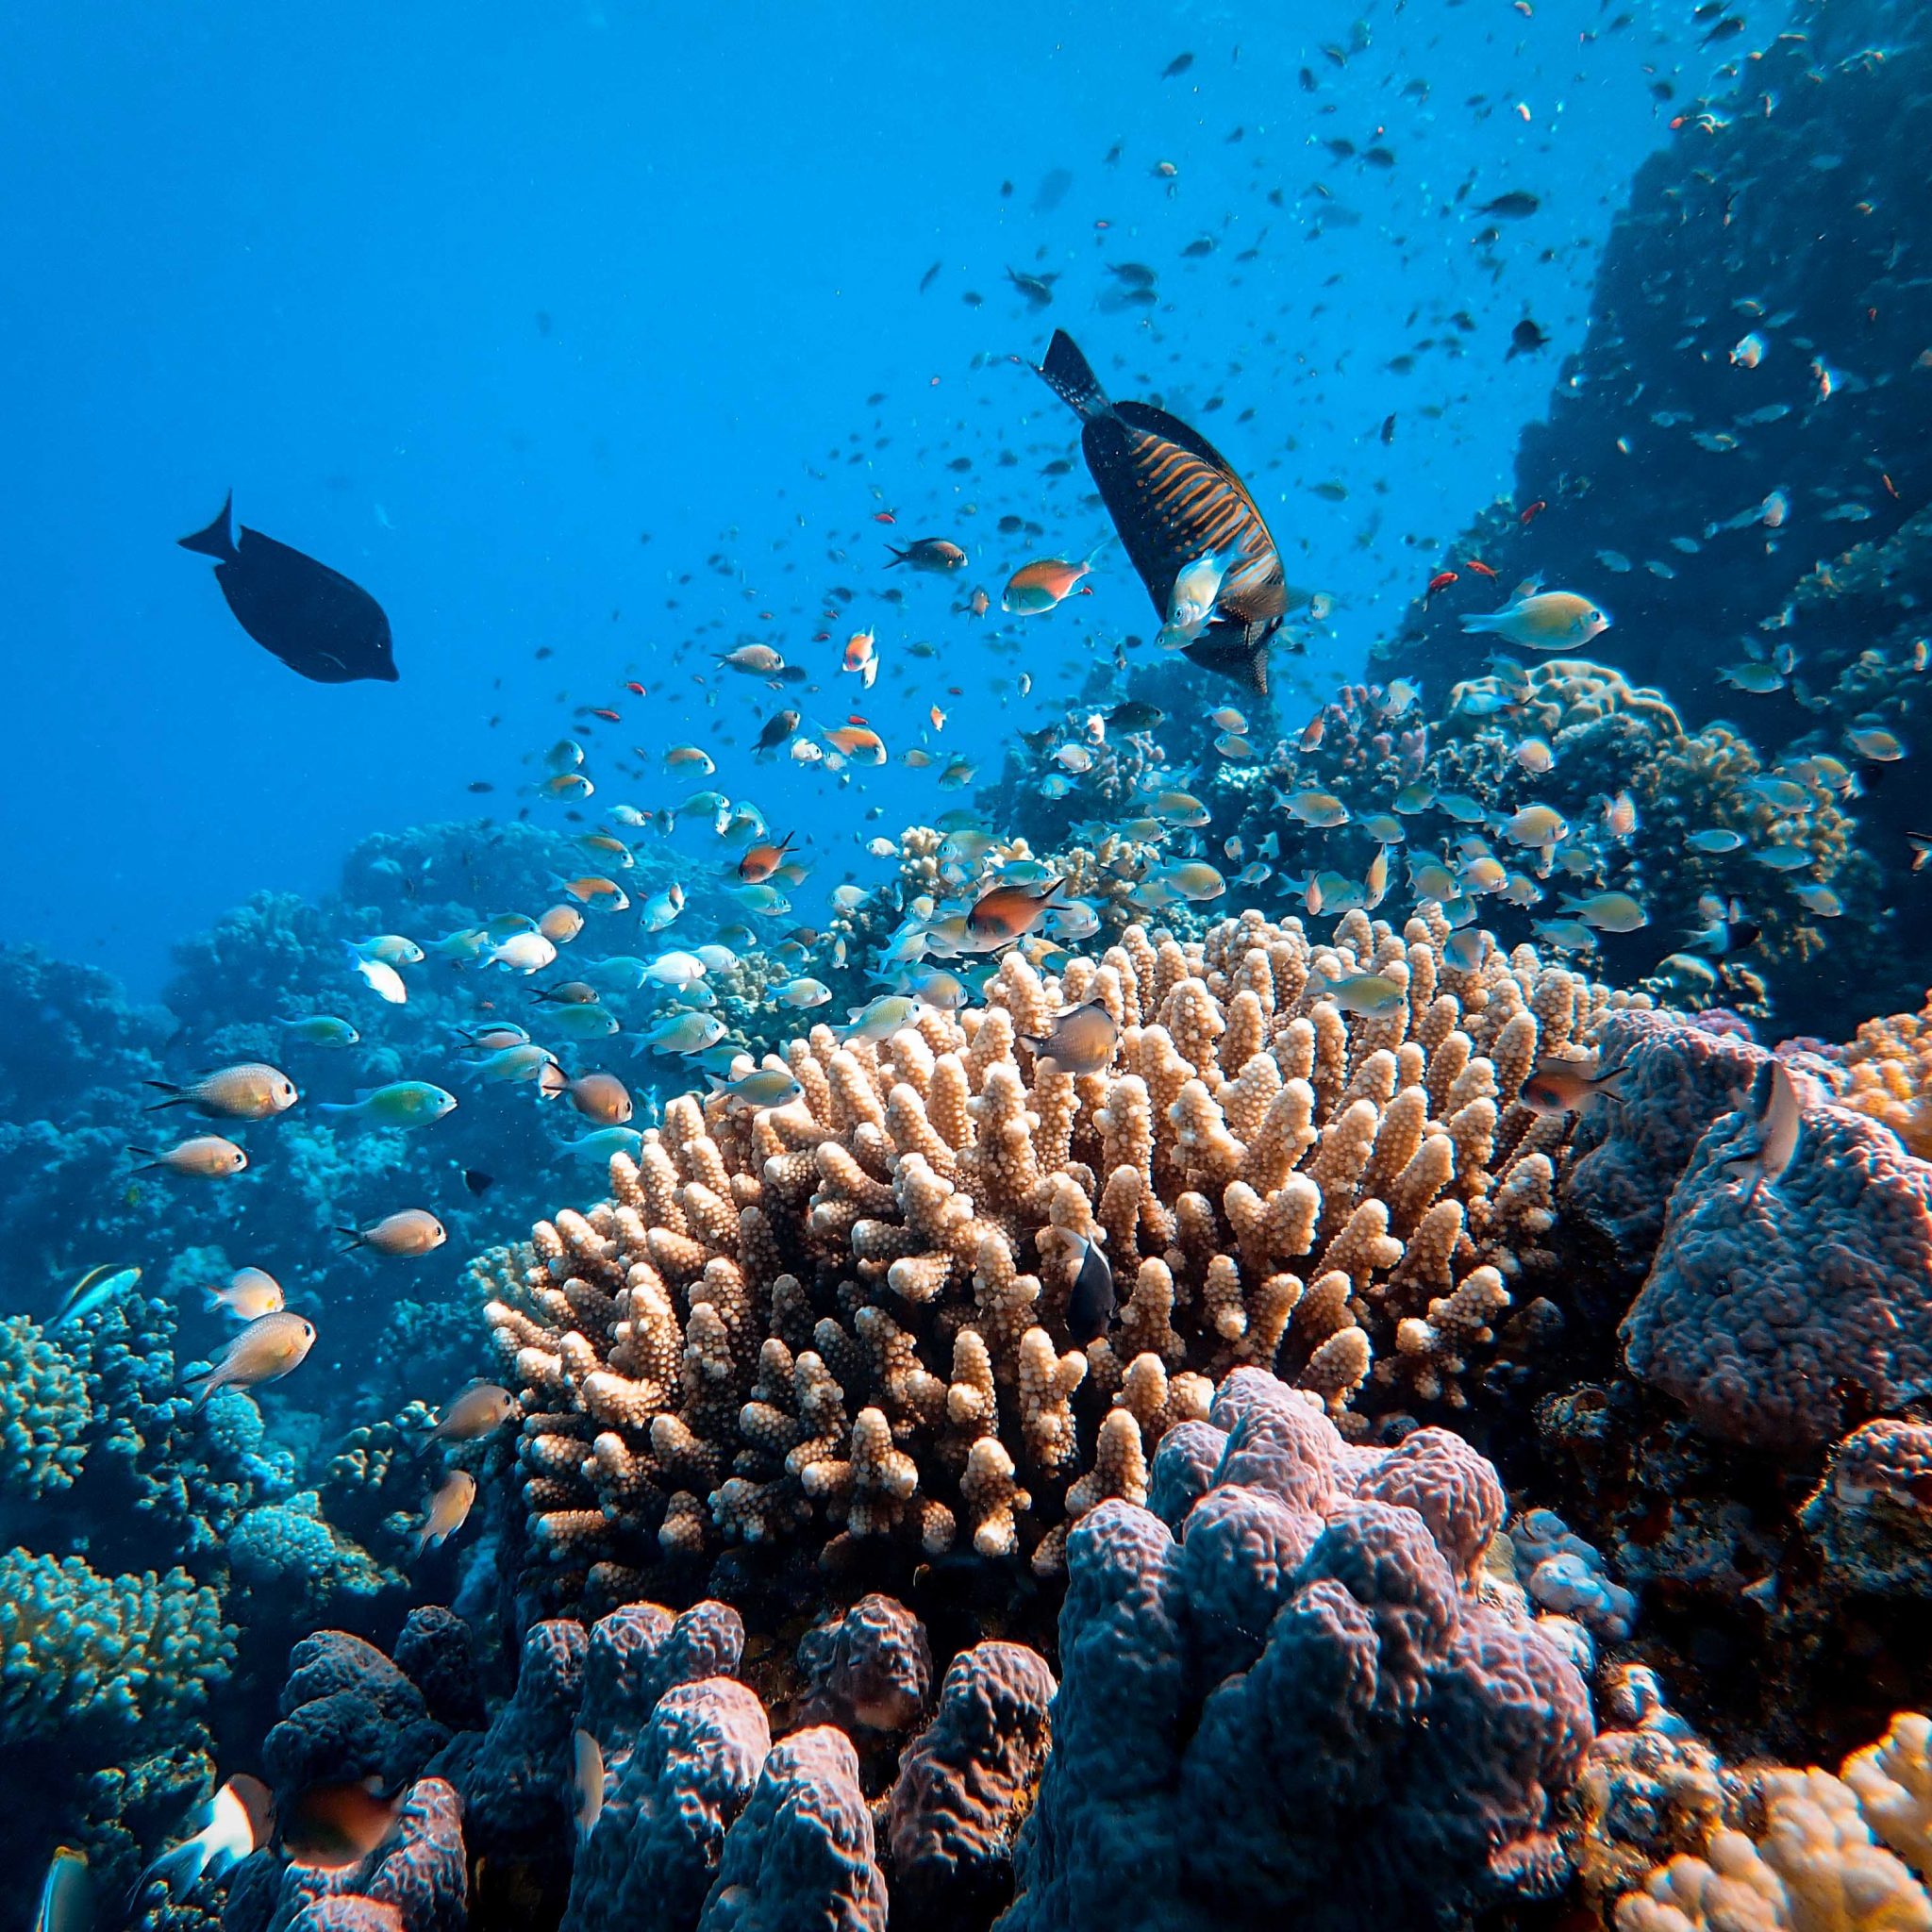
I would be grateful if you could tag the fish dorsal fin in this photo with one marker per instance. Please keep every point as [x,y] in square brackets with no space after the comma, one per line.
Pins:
[1159,422]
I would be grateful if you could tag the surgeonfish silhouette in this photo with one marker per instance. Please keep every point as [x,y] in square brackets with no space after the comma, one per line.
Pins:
[1176,499]
[313,618]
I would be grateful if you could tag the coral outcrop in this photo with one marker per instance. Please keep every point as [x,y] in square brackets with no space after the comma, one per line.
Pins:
[845,1319]
[1300,1663]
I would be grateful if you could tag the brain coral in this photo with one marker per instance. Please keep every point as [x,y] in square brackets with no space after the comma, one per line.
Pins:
[1768,1310]
[852,1311]
[1294,1705]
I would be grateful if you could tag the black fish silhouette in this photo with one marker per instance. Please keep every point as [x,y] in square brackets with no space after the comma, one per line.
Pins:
[1176,499]
[309,616]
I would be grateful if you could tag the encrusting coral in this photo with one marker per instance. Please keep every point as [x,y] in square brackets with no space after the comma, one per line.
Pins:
[853,1311]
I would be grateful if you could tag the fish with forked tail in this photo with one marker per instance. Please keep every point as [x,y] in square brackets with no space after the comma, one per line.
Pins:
[311,616]
[1175,500]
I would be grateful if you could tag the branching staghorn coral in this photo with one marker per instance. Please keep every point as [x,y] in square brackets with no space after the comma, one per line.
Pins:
[847,1318]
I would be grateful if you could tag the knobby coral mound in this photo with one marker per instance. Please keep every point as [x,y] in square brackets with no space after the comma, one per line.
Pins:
[848,1317]
[1300,1663]
[1771,1310]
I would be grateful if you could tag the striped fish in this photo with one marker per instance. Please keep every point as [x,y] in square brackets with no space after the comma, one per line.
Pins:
[1176,499]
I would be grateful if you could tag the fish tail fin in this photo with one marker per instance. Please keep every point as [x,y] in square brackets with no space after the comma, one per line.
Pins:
[218,540]
[1481,620]
[898,555]
[179,1870]
[1070,378]
[176,1095]
[1099,550]
[355,1239]
[202,1393]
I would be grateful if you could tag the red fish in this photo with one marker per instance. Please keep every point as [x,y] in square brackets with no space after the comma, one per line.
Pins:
[1440,581]
[884,516]
[635,689]
[609,717]
[1534,512]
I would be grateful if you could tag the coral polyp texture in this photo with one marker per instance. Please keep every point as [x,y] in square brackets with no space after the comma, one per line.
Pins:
[1297,1660]
[1889,1070]
[846,1321]
[1801,1850]
[1776,1313]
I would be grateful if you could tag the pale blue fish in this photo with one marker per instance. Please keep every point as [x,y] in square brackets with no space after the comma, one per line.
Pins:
[400,1104]
[98,1288]
[321,1029]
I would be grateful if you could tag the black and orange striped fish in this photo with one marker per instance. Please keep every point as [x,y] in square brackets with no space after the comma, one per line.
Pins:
[1176,499]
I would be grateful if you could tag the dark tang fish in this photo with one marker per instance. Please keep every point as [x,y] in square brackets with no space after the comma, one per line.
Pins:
[1176,499]
[311,617]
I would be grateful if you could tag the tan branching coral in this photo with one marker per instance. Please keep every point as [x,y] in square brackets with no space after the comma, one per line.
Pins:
[1889,1067]
[852,1311]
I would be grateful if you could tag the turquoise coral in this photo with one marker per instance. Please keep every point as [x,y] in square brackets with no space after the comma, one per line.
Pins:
[116,1653]
[43,1411]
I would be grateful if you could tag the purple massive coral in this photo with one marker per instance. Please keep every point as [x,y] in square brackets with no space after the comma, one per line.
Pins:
[1775,1312]
[1299,1662]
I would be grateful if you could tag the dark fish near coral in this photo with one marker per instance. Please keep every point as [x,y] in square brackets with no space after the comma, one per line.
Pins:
[930,553]
[337,1824]
[1133,714]
[1008,912]
[1559,1087]
[1176,499]
[309,616]
[1090,1305]
[1082,1041]
[1516,206]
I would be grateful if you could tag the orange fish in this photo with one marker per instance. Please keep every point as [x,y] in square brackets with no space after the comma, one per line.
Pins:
[862,655]
[761,861]
[858,741]
[884,516]
[1042,584]
[1440,581]
[1476,564]
[593,888]
[1311,732]
[1009,912]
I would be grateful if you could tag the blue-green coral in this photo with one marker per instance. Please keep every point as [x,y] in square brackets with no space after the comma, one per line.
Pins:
[43,1411]
[112,1653]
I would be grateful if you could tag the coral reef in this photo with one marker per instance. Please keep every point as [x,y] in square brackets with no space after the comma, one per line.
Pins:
[1888,1075]
[852,1311]
[103,1657]
[1301,1660]
[1776,1313]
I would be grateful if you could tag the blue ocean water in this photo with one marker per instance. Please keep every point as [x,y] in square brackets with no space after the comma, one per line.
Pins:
[465,308]
[1142,1207]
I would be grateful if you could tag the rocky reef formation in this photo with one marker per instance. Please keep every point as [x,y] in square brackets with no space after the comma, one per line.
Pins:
[1791,389]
